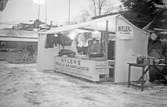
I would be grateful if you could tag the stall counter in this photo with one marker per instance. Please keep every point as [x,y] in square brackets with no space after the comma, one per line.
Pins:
[84,68]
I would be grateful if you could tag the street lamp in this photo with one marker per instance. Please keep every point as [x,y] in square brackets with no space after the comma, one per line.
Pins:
[69,12]
[39,3]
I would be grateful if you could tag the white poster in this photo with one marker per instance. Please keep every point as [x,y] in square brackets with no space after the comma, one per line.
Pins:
[87,69]
[125,32]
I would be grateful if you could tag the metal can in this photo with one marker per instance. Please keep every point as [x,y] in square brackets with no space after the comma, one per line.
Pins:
[146,61]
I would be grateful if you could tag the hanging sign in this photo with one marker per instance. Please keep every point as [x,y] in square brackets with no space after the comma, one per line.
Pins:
[125,32]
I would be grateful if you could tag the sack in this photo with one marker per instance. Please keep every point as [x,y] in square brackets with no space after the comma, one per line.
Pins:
[67,52]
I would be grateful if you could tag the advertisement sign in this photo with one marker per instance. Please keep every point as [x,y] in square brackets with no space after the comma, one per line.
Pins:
[125,32]
[101,67]
[87,69]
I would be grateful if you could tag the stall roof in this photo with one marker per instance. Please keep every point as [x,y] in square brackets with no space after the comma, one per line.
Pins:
[97,24]
[18,34]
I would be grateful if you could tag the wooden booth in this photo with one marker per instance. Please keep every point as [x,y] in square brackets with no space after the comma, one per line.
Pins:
[14,44]
[95,50]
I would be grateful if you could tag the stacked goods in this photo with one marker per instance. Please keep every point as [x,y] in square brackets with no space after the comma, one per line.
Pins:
[140,59]
[149,60]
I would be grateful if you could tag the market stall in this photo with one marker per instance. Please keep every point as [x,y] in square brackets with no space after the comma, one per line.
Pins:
[14,44]
[99,49]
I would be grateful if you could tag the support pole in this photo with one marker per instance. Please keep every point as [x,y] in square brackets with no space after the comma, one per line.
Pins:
[38,15]
[106,41]
[45,11]
[38,12]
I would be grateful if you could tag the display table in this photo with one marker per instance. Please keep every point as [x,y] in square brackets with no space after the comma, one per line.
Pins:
[145,69]
[84,68]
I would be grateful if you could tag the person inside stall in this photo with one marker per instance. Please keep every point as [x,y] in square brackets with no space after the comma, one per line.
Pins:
[3,46]
[87,36]
[156,49]
[94,49]
[79,43]
[82,42]
[30,51]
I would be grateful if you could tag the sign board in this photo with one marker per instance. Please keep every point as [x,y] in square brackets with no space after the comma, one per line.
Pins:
[125,32]
[87,69]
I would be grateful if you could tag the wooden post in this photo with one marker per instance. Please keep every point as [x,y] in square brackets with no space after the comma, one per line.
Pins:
[106,41]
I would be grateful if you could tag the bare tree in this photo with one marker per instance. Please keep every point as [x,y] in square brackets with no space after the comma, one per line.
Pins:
[97,8]
[74,20]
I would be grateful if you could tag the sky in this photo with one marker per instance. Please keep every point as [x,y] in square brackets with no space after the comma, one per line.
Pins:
[18,11]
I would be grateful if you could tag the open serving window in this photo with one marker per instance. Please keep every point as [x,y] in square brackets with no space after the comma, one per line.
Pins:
[85,45]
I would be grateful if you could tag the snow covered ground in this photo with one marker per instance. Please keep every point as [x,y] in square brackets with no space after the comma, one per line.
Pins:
[23,86]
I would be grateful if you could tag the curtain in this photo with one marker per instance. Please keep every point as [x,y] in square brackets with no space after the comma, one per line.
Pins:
[64,40]
[49,41]
[61,39]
